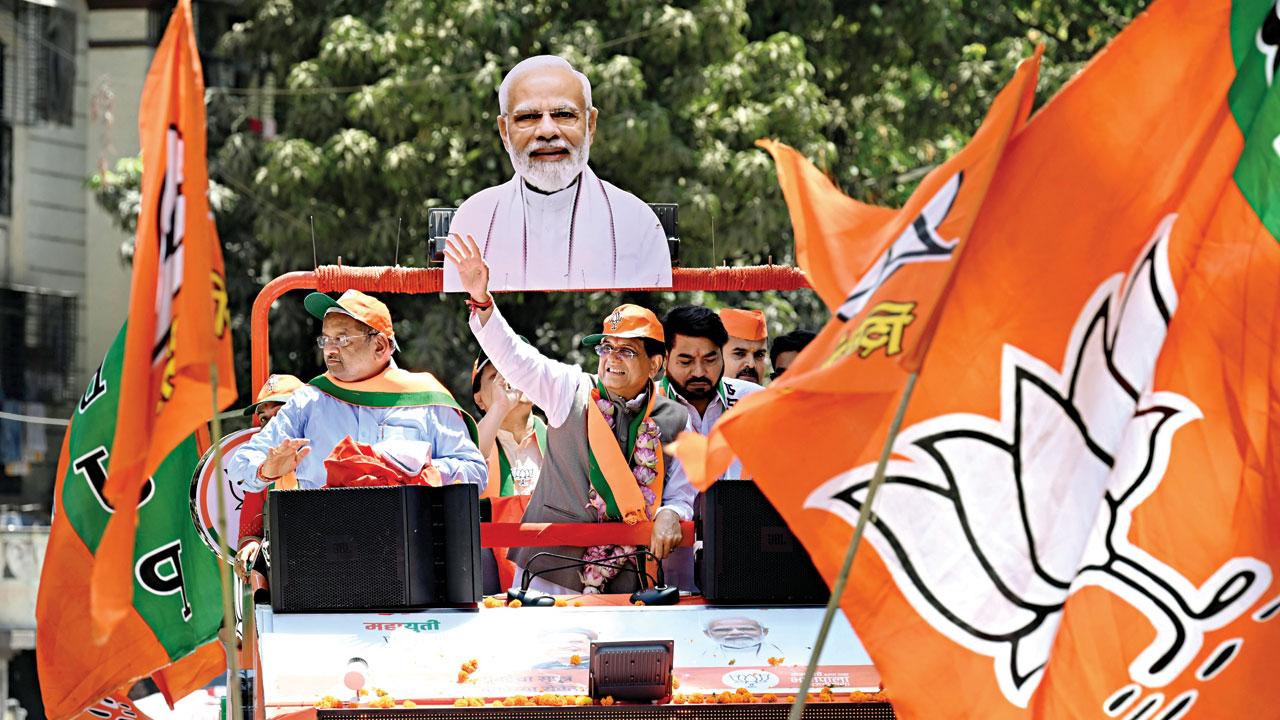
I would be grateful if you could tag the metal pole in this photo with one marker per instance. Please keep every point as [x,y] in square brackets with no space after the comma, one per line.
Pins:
[842,579]
[224,565]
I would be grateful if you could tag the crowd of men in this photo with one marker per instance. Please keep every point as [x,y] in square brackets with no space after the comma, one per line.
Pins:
[536,416]
[584,447]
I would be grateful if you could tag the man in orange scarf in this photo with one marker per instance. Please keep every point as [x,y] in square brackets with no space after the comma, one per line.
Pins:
[604,439]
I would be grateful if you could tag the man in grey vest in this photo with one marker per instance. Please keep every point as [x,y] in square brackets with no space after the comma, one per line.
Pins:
[606,432]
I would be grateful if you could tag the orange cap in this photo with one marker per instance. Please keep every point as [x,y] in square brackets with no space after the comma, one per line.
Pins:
[277,388]
[628,321]
[744,324]
[365,308]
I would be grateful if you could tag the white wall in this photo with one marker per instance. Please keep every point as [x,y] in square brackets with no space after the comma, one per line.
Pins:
[46,231]
[123,70]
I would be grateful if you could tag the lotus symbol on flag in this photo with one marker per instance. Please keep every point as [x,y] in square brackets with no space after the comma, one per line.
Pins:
[987,526]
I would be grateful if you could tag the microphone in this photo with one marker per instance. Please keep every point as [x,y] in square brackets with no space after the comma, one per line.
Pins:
[660,594]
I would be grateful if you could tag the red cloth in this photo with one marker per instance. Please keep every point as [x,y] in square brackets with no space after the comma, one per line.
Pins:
[251,516]
[357,464]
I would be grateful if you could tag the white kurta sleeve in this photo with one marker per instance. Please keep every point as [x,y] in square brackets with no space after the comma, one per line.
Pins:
[677,492]
[551,385]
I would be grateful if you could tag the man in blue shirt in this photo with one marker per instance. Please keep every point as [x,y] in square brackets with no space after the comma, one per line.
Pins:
[409,417]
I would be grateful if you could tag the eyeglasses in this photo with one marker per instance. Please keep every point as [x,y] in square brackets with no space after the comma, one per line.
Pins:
[622,353]
[342,340]
[566,117]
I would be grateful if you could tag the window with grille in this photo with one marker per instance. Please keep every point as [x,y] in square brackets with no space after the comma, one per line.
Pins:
[54,30]
[42,324]
[6,139]
[6,168]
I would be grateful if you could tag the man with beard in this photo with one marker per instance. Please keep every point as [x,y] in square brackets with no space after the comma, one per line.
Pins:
[696,379]
[745,350]
[696,369]
[555,224]
[739,639]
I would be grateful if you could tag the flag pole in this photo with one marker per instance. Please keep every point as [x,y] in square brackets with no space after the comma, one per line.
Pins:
[224,563]
[842,578]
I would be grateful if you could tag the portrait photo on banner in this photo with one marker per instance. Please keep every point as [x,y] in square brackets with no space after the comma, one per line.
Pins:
[556,225]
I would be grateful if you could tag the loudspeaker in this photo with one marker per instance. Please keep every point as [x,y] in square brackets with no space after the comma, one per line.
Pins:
[749,555]
[439,219]
[374,548]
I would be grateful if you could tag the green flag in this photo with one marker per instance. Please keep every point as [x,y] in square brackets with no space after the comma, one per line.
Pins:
[172,628]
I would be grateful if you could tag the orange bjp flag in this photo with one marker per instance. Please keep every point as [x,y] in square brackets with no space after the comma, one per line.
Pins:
[179,323]
[1078,517]
[116,706]
[881,272]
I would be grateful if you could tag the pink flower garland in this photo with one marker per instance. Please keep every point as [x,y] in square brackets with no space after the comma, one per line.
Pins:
[644,465]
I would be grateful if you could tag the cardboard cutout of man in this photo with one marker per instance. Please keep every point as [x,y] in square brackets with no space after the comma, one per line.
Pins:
[555,224]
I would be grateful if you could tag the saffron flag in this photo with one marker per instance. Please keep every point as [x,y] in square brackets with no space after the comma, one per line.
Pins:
[175,600]
[854,253]
[179,324]
[1078,518]
[115,707]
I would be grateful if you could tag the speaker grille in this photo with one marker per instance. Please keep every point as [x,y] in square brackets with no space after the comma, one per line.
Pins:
[374,548]
[322,536]
[750,553]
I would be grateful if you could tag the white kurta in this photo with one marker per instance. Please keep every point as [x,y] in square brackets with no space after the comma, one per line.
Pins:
[678,567]
[617,240]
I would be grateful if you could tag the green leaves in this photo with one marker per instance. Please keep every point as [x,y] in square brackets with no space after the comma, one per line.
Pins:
[387,109]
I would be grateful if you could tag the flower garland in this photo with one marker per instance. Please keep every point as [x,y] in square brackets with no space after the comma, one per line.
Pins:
[644,465]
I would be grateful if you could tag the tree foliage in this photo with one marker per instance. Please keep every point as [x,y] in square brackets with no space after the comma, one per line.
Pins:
[387,108]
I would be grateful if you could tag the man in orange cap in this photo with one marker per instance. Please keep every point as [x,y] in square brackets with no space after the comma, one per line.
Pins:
[604,442]
[272,396]
[410,416]
[744,353]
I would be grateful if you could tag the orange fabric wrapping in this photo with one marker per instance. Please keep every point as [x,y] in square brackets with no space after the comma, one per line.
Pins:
[338,278]
[330,278]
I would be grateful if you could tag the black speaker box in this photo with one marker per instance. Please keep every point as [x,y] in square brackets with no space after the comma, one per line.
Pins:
[749,555]
[374,548]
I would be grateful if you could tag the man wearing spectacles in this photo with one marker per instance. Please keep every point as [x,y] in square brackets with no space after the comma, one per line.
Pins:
[555,224]
[605,430]
[408,416]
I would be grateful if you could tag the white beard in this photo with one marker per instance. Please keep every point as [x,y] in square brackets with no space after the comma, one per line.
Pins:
[551,176]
